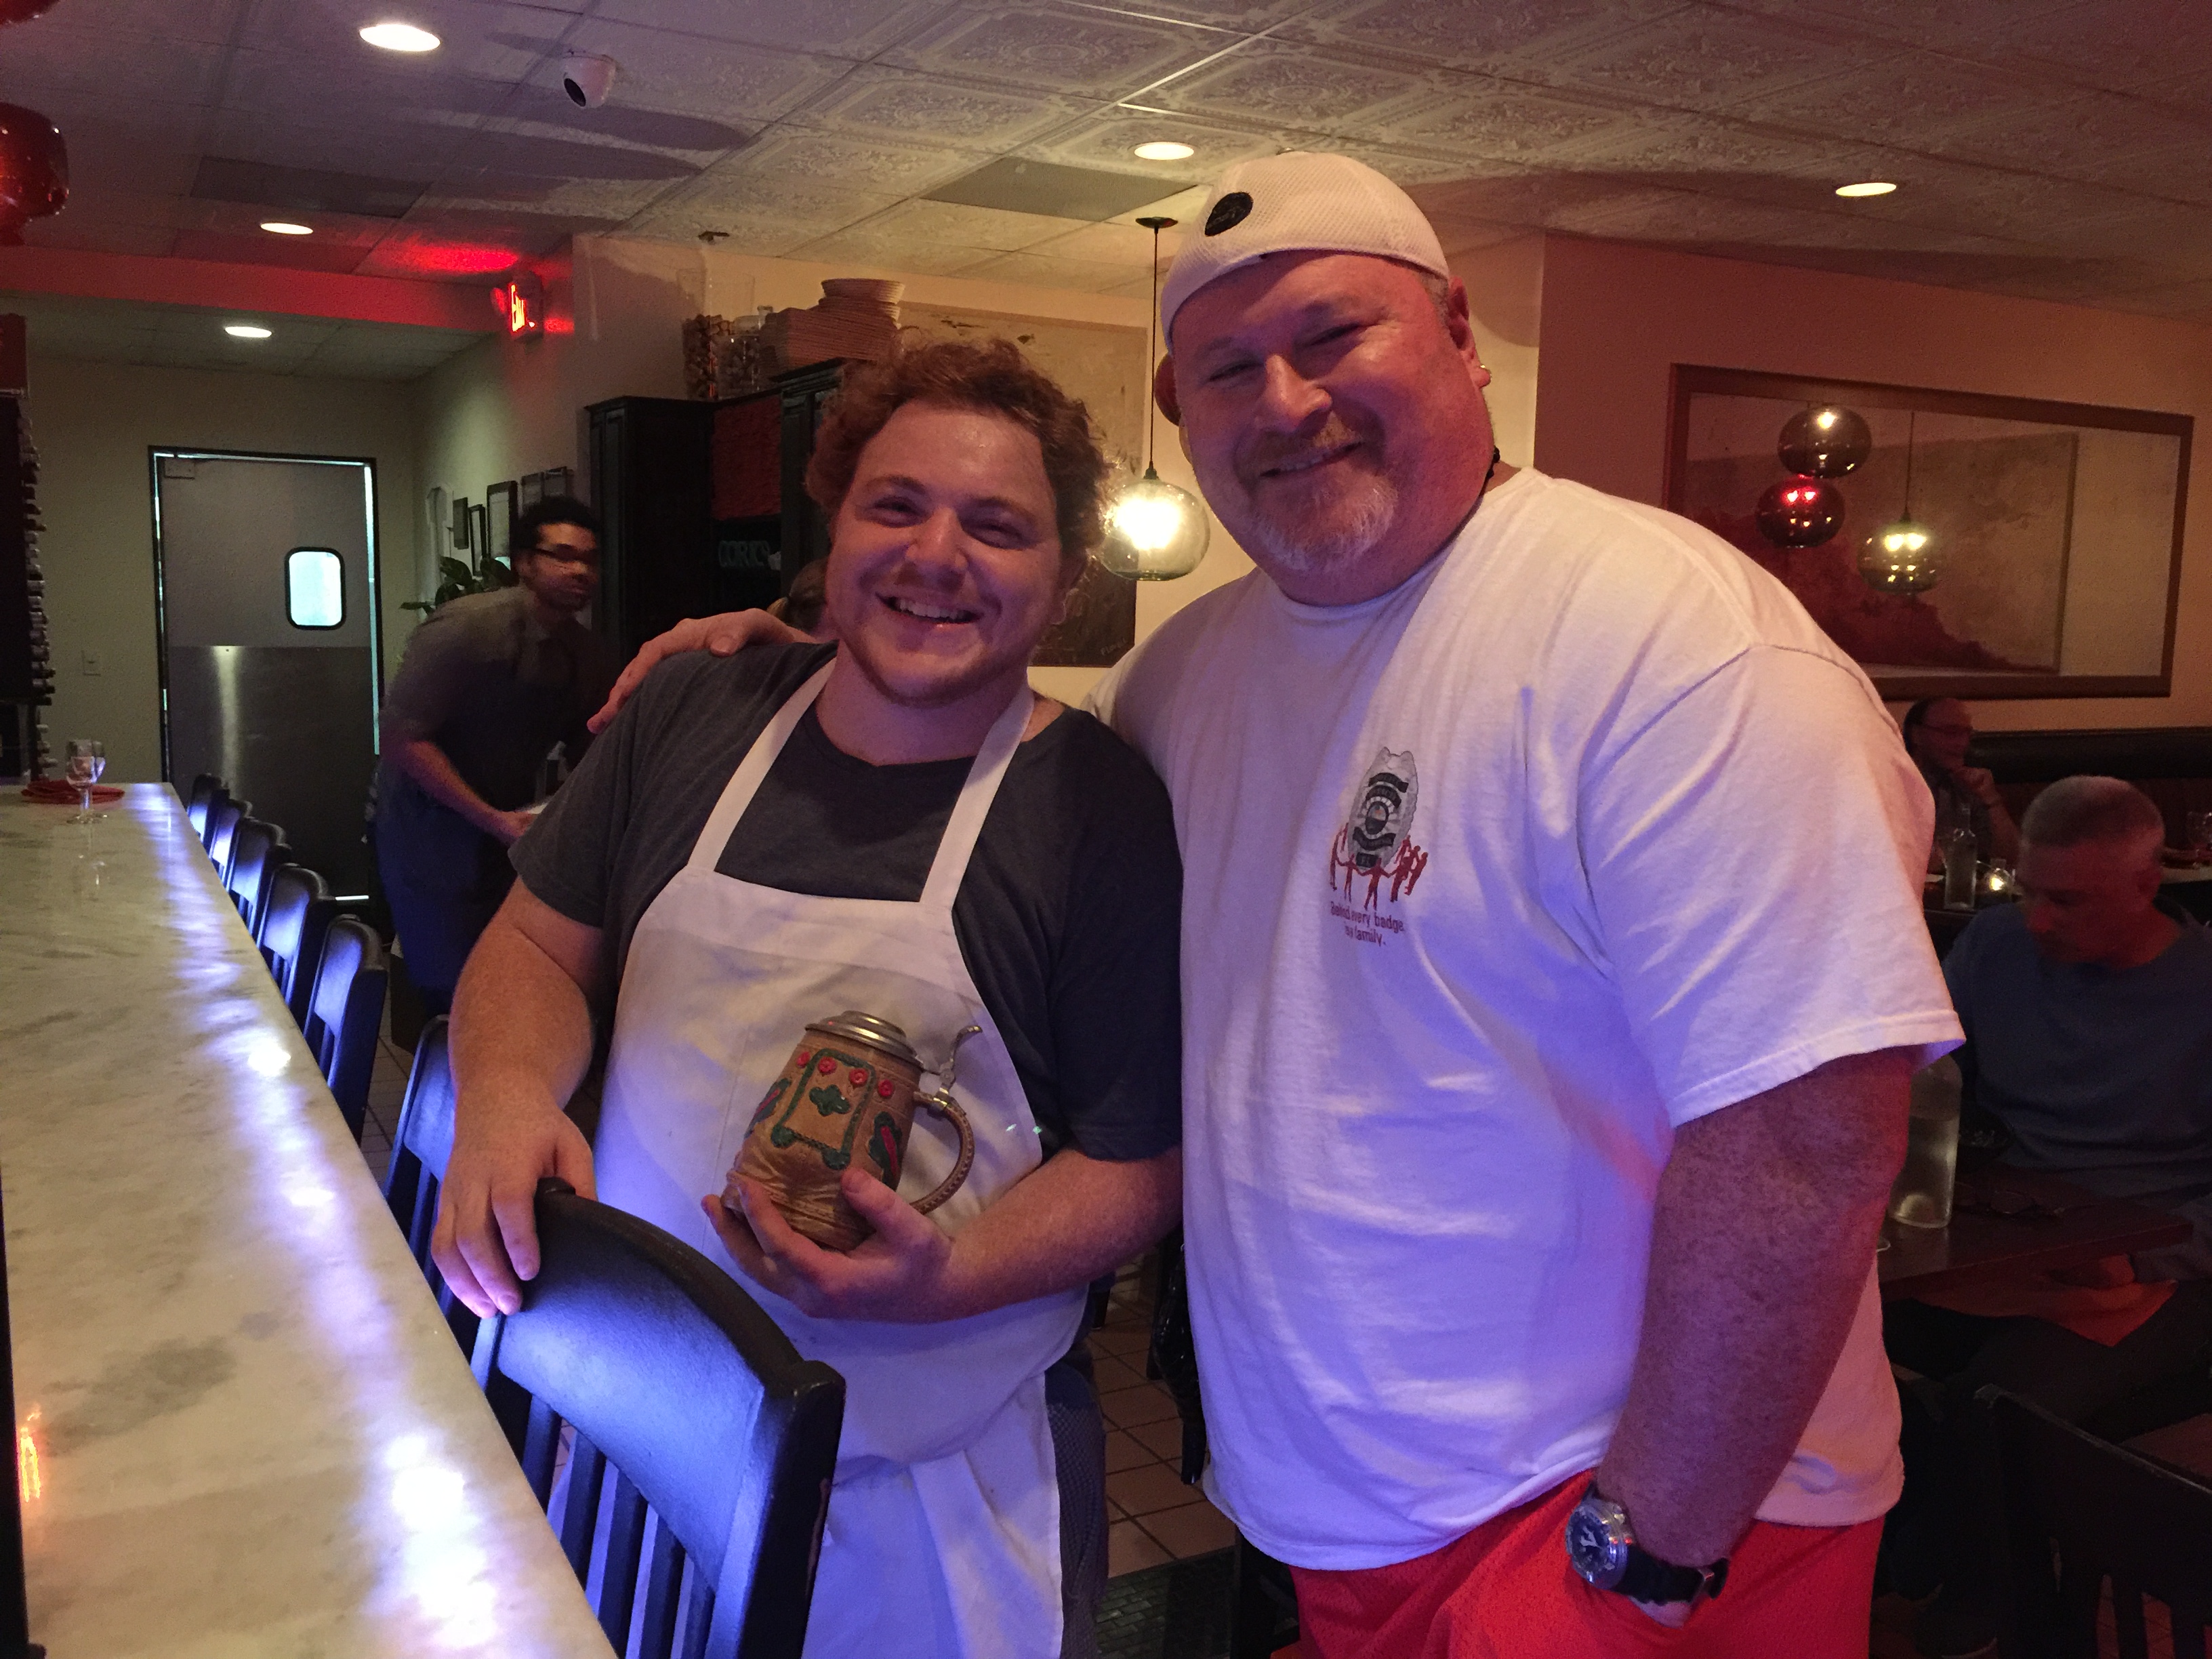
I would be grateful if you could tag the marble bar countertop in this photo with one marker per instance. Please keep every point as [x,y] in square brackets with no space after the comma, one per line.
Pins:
[242,1428]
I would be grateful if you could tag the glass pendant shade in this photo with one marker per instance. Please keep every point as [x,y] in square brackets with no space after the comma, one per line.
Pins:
[1154,532]
[1901,558]
[1799,512]
[33,170]
[1825,441]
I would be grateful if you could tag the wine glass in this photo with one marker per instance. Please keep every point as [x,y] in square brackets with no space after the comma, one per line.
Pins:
[88,759]
[2200,835]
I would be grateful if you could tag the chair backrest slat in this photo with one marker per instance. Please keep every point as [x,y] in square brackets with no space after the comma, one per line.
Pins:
[205,788]
[223,818]
[345,1012]
[298,915]
[421,1144]
[256,850]
[2110,1514]
[676,1380]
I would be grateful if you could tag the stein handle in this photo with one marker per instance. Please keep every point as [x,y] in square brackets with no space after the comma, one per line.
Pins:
[945,1106]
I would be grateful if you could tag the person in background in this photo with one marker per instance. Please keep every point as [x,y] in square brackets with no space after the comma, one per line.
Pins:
[490,683]
[1936,731]
[893,824]
[1540,1104]
[2088,1010]
[802,608]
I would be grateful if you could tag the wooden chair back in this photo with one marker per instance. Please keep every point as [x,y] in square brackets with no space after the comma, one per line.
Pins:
[719,1438]
[344,1013]
[2080,1512]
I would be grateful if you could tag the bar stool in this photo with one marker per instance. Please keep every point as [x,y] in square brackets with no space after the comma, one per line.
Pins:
[257,849]
[293,922]
[223,819]
[344,1012]
[420,1147]
[708,1420]
[205,788]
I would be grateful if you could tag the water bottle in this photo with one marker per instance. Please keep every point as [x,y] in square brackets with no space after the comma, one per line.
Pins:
[1921,1195]
[1959,870]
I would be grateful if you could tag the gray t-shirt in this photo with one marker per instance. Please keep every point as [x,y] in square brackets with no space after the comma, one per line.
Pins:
[2103,1075]
[1067,917]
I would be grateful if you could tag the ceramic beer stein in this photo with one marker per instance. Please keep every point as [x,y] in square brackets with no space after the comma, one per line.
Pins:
[846,1100]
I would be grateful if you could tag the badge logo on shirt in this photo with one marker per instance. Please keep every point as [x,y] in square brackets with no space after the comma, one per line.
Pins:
[1374,852]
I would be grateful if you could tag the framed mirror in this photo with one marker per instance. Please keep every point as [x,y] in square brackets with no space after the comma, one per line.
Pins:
[1955,545]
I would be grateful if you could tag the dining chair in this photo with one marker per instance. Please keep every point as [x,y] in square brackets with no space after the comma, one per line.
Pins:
[256,849]
[223,819]
[293,922]
[421,1145]
[2079,1512]
[344,1012]
[719,1438]
[205,788]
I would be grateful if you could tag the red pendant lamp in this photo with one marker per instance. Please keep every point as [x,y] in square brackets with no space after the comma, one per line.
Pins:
[33,170]
[22,12]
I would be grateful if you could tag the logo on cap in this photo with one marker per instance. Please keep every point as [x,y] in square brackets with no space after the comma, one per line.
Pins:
[1230,211]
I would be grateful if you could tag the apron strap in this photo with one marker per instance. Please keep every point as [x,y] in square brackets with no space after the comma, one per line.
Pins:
[745,782]
[984,777]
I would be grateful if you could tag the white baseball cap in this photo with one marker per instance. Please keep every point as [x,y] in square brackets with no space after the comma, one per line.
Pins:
[1300,201]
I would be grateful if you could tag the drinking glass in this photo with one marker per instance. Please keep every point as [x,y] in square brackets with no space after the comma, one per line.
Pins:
[2200,835]
[1959,870]
[88,759]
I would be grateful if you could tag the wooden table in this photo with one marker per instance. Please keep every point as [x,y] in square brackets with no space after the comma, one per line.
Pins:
[1978,1247]
[243,1428]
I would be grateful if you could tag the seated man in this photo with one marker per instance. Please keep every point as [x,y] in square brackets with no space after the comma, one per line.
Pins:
[1936,731]
[895,826]
[490,683]
[2087,1010]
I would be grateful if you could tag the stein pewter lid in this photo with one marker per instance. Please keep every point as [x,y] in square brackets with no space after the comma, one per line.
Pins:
[877,1033]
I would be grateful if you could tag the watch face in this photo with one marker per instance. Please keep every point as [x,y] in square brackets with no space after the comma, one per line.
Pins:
[1597,1541]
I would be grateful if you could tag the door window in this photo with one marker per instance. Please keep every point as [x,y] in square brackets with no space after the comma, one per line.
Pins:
[314,579]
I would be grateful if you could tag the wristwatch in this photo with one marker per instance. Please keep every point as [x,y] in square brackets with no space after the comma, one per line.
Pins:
[1603,1548]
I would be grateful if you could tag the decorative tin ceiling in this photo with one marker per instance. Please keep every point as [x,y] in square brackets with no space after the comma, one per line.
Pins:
[2060,148]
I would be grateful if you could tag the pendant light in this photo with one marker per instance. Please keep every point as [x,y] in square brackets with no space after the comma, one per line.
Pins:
[1824,440]
[1154,532]
[1902,557]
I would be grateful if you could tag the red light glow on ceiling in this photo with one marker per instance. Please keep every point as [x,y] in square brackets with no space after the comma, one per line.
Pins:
[440,259]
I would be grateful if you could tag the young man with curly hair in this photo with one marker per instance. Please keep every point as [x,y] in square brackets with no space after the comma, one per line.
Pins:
[893,824]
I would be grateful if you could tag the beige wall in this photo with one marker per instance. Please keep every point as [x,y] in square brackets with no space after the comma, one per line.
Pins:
[93,423]
[1616,316]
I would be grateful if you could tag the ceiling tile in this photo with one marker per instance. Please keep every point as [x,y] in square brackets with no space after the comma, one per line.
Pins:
[119,146]
[44,63]
[1109,139]
[1060,49]
[1903,100]
[1481,116]
[957,224]
[248,248]
[480,40]
[2101,43]
[1701,58]
[1301,89]
[590,204]
[747,192]
[1451,33]
[137,22]
[685,73]
[858,249]
[927,109]
[854,162]
[412,150]
[851,30]
[2106,138]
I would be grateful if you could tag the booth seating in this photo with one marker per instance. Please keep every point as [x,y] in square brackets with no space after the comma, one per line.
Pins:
[2173,765]
[343,1012]
[700,1410]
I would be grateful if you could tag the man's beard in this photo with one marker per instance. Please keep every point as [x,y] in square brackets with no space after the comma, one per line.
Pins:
[1306,546]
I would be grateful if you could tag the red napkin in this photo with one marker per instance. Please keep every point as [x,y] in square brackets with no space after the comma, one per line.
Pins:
[53,792]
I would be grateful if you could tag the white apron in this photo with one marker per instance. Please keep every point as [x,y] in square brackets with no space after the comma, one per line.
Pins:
[944,1531]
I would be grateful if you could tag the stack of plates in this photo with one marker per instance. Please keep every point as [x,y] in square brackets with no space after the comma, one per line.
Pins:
[856,317]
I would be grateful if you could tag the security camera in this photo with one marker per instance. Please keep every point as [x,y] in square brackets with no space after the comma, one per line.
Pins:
[587,78]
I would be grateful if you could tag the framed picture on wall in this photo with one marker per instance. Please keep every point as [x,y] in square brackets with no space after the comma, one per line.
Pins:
[461,523]
[558,481]
[500,512]
[480,531]
[531,491]
[1955,544]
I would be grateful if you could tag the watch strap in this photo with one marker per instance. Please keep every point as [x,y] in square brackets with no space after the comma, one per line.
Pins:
[1647,1578]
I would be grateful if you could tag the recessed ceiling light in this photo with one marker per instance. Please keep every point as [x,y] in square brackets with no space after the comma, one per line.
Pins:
[1164,149]
[284,227]
[400,37]
[1871,187]
[246,330]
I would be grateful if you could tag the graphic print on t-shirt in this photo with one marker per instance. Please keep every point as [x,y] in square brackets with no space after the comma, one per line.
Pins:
[1376,846]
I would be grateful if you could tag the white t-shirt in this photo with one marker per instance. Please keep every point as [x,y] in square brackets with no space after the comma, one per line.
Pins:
[1489,883]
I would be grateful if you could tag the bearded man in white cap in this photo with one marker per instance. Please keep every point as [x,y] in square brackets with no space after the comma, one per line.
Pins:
[1546,1060]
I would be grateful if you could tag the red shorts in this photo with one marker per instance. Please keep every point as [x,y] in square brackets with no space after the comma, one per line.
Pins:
[1505,1591]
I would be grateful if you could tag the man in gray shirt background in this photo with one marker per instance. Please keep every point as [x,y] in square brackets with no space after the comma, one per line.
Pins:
[490,683]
